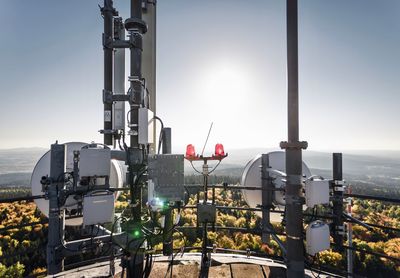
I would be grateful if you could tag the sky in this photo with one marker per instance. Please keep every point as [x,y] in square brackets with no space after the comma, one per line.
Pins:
[217,61]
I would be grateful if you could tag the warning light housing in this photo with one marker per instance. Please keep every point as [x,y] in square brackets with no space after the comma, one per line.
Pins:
[219,153]
[190,152]
[219,150]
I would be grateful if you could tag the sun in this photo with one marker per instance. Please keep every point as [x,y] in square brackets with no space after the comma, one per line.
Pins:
[225,85]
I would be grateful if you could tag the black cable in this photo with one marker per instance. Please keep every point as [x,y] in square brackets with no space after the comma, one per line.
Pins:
[171,263]
[369,252]
[374,225]
[219,162]
[137,250]
[112,232]
[123,141]
[119,143]
[191,163]
[369,197]
[160,137]
[25,198]
[312,264]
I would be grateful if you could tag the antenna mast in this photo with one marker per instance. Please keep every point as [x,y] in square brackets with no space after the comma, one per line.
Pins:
[293,147]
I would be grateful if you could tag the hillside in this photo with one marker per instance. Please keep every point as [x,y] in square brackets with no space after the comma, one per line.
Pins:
[372,172]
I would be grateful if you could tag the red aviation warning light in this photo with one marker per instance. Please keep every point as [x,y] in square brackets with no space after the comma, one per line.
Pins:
[219,153]
[190,152]
[219,150]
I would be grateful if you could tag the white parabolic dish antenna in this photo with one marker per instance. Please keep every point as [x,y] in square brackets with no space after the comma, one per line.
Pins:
[42,168]
[251,177]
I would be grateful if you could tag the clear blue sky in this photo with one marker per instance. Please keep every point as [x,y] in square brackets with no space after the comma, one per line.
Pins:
[226,59]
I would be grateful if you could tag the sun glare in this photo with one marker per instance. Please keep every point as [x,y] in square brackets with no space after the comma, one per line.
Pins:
[225,85]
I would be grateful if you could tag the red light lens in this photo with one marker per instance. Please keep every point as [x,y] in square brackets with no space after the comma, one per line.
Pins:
[219,150]
[190,152]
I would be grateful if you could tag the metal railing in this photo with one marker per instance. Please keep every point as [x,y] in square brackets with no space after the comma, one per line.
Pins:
[220,228]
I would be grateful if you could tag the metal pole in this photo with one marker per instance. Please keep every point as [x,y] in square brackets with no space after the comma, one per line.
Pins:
[108,12]
[149,59]
[167,231]
[166,143]
[349,238]
[266,197]
[55,263]
[204,253]
[119,77]
[135,77]
[136,27]
[294,201]
[338,226]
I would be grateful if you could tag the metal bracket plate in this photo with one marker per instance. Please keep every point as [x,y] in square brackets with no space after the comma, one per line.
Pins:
[206,212]
[166,172]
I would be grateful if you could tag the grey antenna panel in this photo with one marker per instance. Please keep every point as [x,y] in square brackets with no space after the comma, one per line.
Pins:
[165,172]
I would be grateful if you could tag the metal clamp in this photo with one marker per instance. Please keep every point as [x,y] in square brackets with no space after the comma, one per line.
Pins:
[107,42]
[339,182]
[294,237]
[109,131]
[122,44]
[107,96]
[338,188]
[294,145]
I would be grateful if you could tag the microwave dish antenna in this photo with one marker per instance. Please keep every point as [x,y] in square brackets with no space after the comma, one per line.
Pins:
[251,177]
[42,168]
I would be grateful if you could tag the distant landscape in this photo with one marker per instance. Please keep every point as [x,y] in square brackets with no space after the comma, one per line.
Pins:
[372,172]
[22,251]
[16,165]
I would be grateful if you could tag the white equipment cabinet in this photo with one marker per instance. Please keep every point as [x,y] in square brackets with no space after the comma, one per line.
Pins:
[317,237]
[317,192]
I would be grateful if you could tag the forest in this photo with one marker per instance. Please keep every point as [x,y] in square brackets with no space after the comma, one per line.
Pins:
[22,249]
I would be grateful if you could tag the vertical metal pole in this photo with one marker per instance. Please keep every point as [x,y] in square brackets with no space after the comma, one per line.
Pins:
[166,143]
[149,59]
[108,11]
[337,202]
[349,237]
[135,27]
[266,197]
[294,212]
[55,263]
[119,76]
[204,253]
[136,85]
[167,232]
